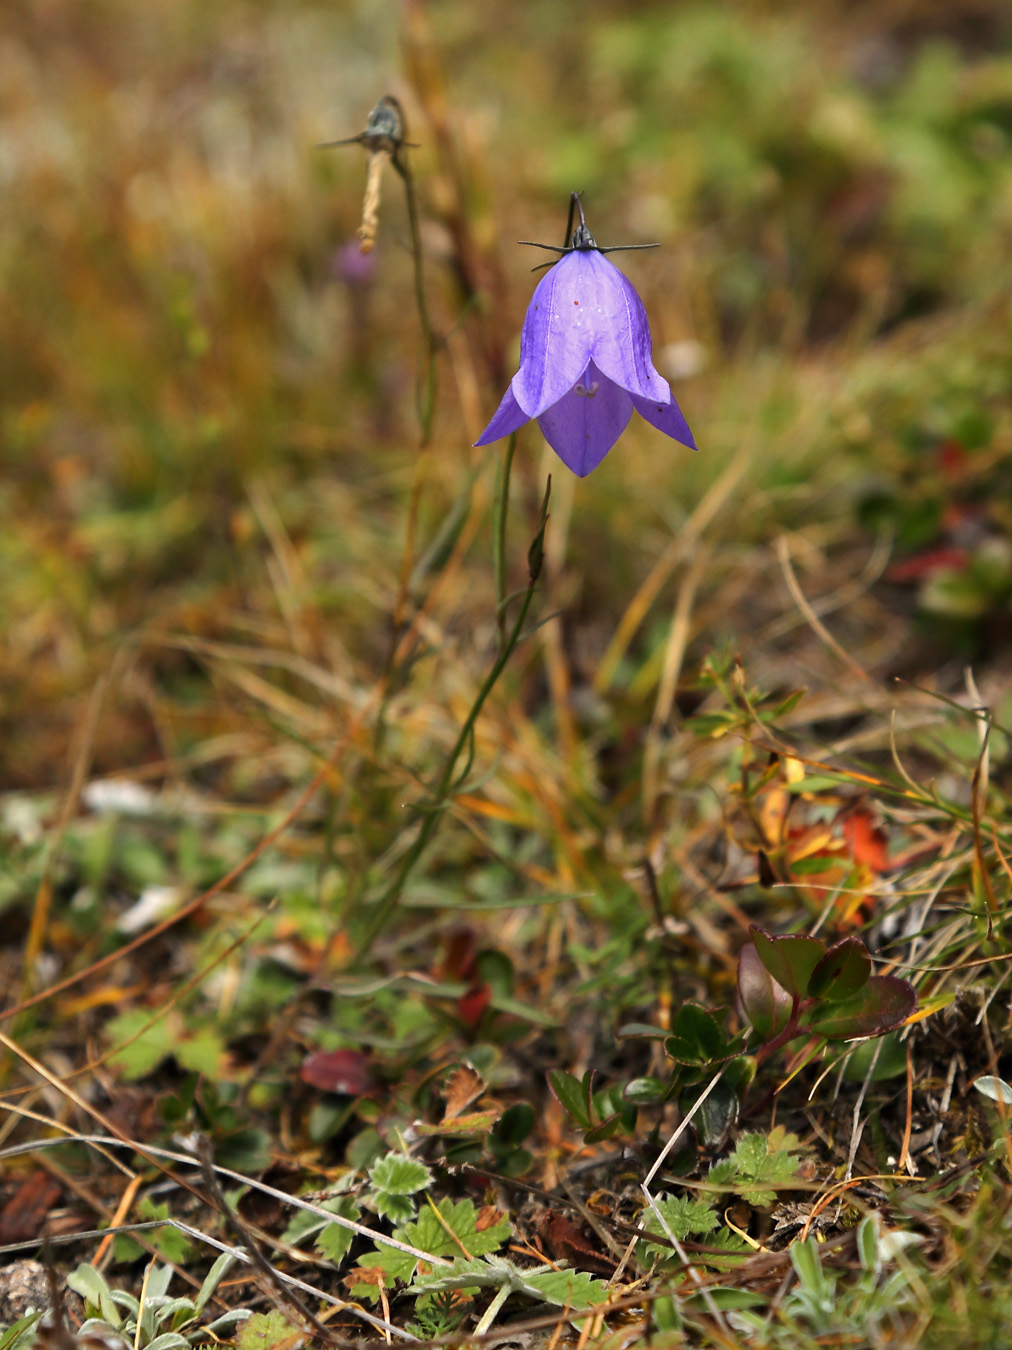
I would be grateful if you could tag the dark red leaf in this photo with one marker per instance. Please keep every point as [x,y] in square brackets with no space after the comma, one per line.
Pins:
[339,1071]
[923,564]
[472,1005]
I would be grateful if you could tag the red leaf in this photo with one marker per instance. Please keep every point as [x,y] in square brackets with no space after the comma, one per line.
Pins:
[457,958]
[25,1213]
[931,560]
[339,1071]
[471,1006]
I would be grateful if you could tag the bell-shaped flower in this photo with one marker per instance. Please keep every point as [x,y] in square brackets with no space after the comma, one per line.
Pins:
[585,362]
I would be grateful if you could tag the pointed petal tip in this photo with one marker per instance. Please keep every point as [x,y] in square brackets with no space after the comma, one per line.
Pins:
[509,417]
[666,417]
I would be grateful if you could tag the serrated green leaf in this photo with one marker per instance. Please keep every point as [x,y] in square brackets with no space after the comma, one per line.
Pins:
[759,1166]
[566,1288]
[306,1223]
[398,1175]
[203,1051]
[683,1217]
[428,1234]
[153,1044]
[399,1208]
[335,1239]
[732,1250]
[264,1330]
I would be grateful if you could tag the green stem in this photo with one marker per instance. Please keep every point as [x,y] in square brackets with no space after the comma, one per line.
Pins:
[500,511]
[389,900]
[491,1312]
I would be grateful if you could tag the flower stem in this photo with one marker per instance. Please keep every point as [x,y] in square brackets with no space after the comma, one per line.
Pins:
[500,510]
[387,903]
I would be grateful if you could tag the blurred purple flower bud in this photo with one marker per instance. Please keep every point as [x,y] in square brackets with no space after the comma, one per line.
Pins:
[355,268]
[585,362]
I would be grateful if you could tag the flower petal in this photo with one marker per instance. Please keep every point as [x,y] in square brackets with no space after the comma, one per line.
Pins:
[666,416]
[554,350]
[508,417]
[587,421]
[606,319]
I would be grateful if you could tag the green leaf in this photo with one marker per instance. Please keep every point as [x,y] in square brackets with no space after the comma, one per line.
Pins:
[812,866]
[644,1029]
[202,1052]
[767,1004]
[515,1124]
[572,1096]
[21,1331]
[844,970]
[246,1150]
[760,1166]
[212,1279]
[887,1053]
[645,1091]
[264,1330]
[698,1027]
[153,1044]
[790,960]
[429,1235]
[399,1175]
[478,1122]
[885,1002]
[732,1250]
[89,1284]
[399,1208]
[805,1260]
[683,1217]
[867,1245]
[172,1244]
[717,1115]
[306,1223]
[566,1288]
[335,1239]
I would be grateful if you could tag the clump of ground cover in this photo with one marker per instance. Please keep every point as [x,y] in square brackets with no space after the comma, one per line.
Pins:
[229,662]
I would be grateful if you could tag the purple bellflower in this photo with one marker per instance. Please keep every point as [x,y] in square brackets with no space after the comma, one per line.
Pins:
[585,359]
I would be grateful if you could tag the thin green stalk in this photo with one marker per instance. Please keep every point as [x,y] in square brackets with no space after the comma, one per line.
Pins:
[500,512]
[491,1312]
[389,900]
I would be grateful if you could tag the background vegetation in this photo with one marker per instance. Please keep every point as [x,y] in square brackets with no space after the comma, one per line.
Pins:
[244,614]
